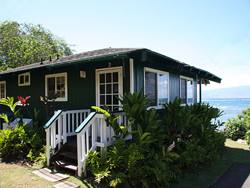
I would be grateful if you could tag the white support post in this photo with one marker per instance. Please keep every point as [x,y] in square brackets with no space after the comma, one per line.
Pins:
[79,155]
[73,122]
[131,66]
[53,136]
[77,120]
[93,133]
[68,123]
[101,129]
[98,128]
[81,116]
[48,145]
[83,142]
[104,130]
[60,124]
[87,139]
[64,128]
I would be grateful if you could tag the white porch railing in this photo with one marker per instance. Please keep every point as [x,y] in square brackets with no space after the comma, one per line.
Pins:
[60,126]
[94,132]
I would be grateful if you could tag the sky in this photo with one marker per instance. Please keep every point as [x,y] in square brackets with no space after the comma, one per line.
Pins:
[213,35]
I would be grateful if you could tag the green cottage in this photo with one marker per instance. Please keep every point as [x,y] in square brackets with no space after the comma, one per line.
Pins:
[97,78]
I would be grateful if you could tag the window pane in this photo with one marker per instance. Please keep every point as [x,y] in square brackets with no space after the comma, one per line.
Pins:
[115,77]
[51,87]
[108,99]
[21,79]
[108,88]
[183,91]
[60,87]
[115,99]
[102,99]
[102,78]
[115,88]
[102,89]
[189,91]
[162,88]
[26,78]
[2,90]
[150,87]
[108,77]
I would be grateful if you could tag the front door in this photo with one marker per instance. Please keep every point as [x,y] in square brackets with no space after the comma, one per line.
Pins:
[109,86]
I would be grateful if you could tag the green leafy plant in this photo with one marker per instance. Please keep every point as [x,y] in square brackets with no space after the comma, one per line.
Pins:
[135,106]
[176,119]
[23,44]
[9,102]
[235,129]
[20,141]
[238,128]
[161,146]
[119,130]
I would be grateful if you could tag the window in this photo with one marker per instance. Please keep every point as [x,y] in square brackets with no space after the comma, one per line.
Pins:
[3,89]
[187,90]
[56,85]
[24,79]
[156,86]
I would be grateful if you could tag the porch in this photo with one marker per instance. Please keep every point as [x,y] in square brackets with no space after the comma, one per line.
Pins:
[70,135]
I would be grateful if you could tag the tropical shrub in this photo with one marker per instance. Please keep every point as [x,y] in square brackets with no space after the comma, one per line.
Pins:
[239,128]
[193,129]
[247,137]
[161,147]
[235,129]
[20,141]
[127,164]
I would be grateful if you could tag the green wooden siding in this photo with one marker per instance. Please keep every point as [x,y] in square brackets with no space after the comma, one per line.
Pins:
[161,64]
[82,91]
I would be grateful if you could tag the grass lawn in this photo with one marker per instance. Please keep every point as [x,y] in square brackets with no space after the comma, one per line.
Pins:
[205,175]
[12,175]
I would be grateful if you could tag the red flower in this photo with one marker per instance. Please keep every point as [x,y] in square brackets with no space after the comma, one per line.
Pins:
[22,101]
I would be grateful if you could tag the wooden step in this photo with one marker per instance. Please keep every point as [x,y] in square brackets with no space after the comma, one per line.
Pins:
[65,164]
[69,154]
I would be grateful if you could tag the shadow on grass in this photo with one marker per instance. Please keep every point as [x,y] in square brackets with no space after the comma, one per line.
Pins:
[206,175]
[81,181]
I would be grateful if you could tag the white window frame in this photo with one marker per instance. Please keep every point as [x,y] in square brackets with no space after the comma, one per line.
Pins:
[24,75]
[3,82]
[189,79]
[146,69]
[55,76]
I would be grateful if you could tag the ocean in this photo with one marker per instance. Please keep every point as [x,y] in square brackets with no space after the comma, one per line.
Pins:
[231,106]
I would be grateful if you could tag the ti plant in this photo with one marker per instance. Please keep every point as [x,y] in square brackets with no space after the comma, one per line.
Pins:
[9,101]
[119,130]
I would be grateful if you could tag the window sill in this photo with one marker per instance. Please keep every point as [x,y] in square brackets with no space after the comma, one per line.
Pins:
[187,104]
[58,100]
[156,107]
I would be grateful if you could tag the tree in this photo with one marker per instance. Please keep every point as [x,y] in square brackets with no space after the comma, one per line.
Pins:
[23,44]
